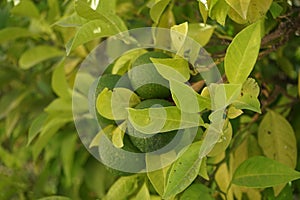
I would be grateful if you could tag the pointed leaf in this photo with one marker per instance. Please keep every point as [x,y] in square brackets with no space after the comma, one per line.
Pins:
[183,171]
[242,53]
[240,6]
[186,99]
[261,172]
[36,127]
[218,11]
[178,34]
[143,193]
[172,68]
[59,83]
[113,104]
[27,9]
[200,32]
[162,119]
[157,9]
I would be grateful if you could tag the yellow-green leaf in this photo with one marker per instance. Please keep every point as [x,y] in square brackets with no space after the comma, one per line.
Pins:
[240,6]
[242,53]
[261,172]
[277,139]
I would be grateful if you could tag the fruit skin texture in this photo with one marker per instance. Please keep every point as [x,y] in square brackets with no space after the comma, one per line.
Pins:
[145,79]
[149,143]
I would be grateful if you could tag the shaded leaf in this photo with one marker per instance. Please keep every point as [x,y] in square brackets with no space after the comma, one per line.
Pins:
[38,54]
[261,172]
[12,33]
[277,139]
[27,9]
[143,193]
[197,191]
[36,127]
[59,83]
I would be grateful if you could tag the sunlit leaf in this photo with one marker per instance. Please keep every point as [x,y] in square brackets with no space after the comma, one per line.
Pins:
[38,54]
[218,11]
[172,68]
[249,96]
[240,6]
[113,104]
[143,193]
[73,20]
[162,119]
[261,172]
[242,53]
[203,8]
[200,32]
[178,34]
[157,9]
[123,188]
[186,99]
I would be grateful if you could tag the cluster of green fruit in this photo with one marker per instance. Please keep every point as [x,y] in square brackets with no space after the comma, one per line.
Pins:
[152,89]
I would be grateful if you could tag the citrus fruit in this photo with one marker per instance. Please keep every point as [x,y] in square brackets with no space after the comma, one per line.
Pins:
[145,79]
[148,143]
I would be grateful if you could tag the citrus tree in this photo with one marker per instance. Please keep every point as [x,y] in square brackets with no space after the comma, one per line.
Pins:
[158,99]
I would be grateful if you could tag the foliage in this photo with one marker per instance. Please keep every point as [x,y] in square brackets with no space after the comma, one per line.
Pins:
[248,136]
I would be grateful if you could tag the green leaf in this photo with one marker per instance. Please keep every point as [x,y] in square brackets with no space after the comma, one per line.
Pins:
[68,148]
[123,63]
[178,35]
[157,9]
[158,177]
[49,129]
[107,131]
[183,171]
[118,135]
[108,5]
[123,188]
[186,99]
[203,169]
[223,142]
[12,33]
[299,83]
[197,191]
[113,104]
[249,96]
[84,10]
[223,95]
[203,11]
[36,127]
[257,10]
[54,10]
[172,68]
[59,105]
[261,172]
[277,139]
[143,193]
[218,11]
[162,119]
[73,20]
[240,6]
[27,9]
[93,29]
[242,53]
[38,54]
[59,83]
[55,198]
[200,32]
[275,10]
